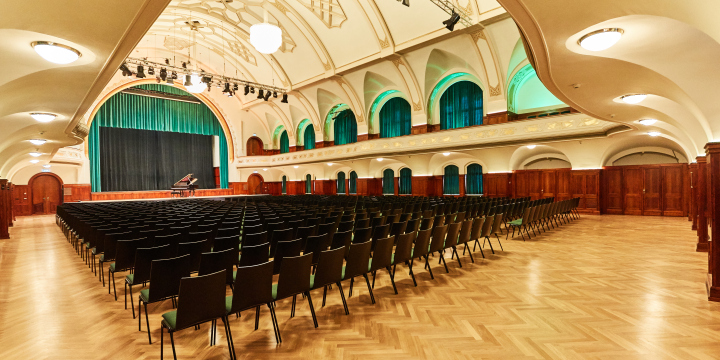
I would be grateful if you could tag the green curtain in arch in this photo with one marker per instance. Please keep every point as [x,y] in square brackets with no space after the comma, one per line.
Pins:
[405,183]
[352,184]
[395,119]
[451,180]
[284,184]
[147,113]
[461,105]
[309,137]
[388,183]
[341,183]
[284,142]
[474,180]
[345,128]
[308,184]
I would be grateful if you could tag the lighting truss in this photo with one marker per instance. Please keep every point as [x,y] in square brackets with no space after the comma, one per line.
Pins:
[214,79]
[449,7]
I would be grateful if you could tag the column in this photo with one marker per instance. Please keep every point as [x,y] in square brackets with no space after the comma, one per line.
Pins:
[701,201]
[692,211]
[712,172]
[4,211]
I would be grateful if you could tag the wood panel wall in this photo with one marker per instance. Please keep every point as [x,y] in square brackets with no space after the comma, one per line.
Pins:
[21,200]
[646,190]
[126,195]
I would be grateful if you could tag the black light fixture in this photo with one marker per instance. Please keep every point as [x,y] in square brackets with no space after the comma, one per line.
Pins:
[235,87]
[163,74]
[151,71]
[267,95]
[450,23]
[252,90]
[188,80]
[284,99]
[174,75]
[227,90]
[247,89]
[405,2]
[260,94]
[171,78]
[167,61]
[231,94]
[184,65]
[140,72]
[125,70]
[275,94]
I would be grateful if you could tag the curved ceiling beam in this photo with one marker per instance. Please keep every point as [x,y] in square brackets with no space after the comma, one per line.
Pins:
[320,50]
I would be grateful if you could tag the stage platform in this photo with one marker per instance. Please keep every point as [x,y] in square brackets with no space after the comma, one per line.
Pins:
[121,196]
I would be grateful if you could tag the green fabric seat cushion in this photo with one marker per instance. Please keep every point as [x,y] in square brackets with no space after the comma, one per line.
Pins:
[369,264]
[129,278]
[112,267]
[228,303]
[102,257]
[274,291]
[234,275]
[170,318]
[145,295]
[517,222]
[312,281]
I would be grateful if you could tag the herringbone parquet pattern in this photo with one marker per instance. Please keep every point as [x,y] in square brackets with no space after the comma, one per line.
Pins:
[602,287]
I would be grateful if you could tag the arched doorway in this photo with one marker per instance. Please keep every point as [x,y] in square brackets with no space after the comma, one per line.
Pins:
[45,193]
[255,184]
[254,146]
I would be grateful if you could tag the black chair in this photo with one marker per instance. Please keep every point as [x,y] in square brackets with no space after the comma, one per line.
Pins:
[451,241]
[464,238]
[494,231]
[172,239]
[304,231]
[228,243]
[141,270]
[286,249]
[330,271]
[342,239]
[195,250]
[328,228]
[254,255]
[294,279]
[280,235]
[362,235]
[358,265]
[420,250]
[109,250]
[227,232]
[427,223]
[403,252]
[476,233]
[398,228]
[382,259]
[165,275]
[346,226]
[218,260]
[254,287]
[124,260]
[316,245]
[255,239]
[202,299]
[206,236]
[438,242]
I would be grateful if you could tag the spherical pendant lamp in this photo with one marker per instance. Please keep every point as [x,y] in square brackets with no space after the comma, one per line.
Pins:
[266,38]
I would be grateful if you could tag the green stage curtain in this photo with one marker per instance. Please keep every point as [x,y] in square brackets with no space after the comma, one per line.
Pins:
[474,180]
[284,142]
[405,183]
[451,180]
[388,182]
[395,118]
[308,184]
[345,128]
[147,113]
[461,105]
[341,183]
[353,182]
[284,184]
[309,137]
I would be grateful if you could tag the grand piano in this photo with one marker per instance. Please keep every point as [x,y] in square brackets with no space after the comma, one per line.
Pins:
[185,187]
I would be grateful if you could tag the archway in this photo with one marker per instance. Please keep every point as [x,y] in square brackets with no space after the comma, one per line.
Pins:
[254,146]
[254,184]
[45,193]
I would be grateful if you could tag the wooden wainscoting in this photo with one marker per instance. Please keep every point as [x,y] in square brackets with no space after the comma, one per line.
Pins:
[646,190]
[128,195]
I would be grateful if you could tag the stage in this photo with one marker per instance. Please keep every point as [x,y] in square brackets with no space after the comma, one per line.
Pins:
[114,196]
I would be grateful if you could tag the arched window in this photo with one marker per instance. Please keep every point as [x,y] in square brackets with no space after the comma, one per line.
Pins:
[308,184]
[341,183]
[284,142]
[461,105]
[474,180]
[284,184]
[388,182]
[254,146]
[451,180]
[395,119]
[405,183]
[345,128]
[309,137]
[352,184]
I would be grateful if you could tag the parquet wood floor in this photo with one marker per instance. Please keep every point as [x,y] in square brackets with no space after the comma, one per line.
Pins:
[602,287]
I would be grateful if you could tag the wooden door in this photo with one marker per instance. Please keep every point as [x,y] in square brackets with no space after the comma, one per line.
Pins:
[521,183]
[613,190]
[45,194]
[652,186]
[563,185]
[254,146]
[549,183]
[254,182]
[672,190]
[633,190]
[534,184]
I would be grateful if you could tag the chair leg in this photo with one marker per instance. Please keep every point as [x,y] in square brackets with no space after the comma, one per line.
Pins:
[132,305]
[442,258]
[470,252]
[373,276]
[458,256]
[147,324]
[312,308]
[342,295]
[429,268]
[392,279]
[367,280]
[257,317]
[139,316]
[292,312]
[324,294]
[411,272]
[162,340]
[352,281]
[113,284]
[274,322]
[489,243]
[228,335]
[498,239]
[172,342]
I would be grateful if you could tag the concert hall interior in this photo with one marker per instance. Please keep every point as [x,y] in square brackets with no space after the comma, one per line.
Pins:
[553,166]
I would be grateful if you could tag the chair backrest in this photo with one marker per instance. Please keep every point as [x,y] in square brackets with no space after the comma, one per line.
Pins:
[381,231]
[253,286]
[377,221]
[328,228]
[231,243]
[195,250]
[125,253]
[477,228]
[398,228]
[460,217]
[110,242]
[362,235]
[254,255]
[225,232]
[452,234]
[252,229]
[165,275]
[143,261]
[254,239]
[200,299]
[404,247]
[438,238]
[412,225]
[218,260]
[496,224]
[279,235]
[284,250]
[342,239]
[487,226]
[467,227]
[357,262]
[206,236]
[294,276]
[329,267]
[346,226]
[317,244]
[427,223]
[362,223]
[382,255]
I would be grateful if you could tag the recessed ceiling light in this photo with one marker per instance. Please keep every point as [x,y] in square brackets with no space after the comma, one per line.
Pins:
[647,122]
[379,159]
[446,153]
[531,146]
[255,172]
[330,164]
[35,161]
[296,166]
[654,133]
[43,117]
[633,98]
[55,53]
[264,169]
[35,154]
[600,39]
[38,141]
[47,166]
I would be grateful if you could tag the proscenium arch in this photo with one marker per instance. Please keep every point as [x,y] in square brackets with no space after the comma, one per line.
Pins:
[380,100]
[329,134]
[201,96]
[433,107]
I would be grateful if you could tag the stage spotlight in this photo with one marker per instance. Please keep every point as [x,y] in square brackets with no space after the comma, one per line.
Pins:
[227,91]
[151,71]
[267,95]
[275,94]
[184,65]
[235,87]
[188,80]
[140,72]
[405,2]
[167,61]
[125,70]
[163,74]
[450,23]
[252,90]
[231,94]
[284,99]
[247,89]
[174,75]
[260,94]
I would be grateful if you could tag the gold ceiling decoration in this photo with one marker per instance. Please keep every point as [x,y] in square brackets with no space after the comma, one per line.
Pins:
[328,11]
